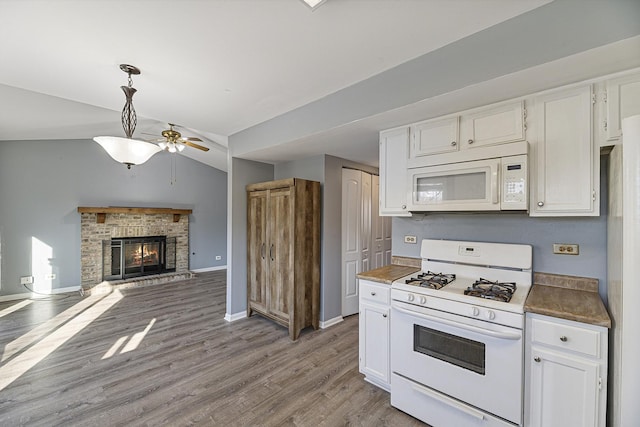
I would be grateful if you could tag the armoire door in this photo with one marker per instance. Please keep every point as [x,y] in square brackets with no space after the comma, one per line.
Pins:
[257,249]
[280,252]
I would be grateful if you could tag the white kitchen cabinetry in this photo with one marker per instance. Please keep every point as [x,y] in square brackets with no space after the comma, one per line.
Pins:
[434,137]
[566,373]
[621,100]
[495,124]
[394,153]
[374,333]
[498,124]
[566,163]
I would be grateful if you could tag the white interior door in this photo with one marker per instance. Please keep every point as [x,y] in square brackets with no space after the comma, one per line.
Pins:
[351,239]
[380,229]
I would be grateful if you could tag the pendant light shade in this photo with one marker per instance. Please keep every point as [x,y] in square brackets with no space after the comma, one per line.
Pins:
[127,150]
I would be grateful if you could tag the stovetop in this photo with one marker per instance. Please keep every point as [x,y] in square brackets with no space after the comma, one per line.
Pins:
[458,290]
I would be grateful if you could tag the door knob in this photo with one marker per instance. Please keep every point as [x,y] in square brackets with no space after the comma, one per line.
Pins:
[537,359]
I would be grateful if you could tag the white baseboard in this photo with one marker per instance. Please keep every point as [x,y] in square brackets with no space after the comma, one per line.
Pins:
[27,295]
[204,270]
[331,322]
[235,316]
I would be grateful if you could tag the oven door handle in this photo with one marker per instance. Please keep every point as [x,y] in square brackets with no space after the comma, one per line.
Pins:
[449,402]
[475,329]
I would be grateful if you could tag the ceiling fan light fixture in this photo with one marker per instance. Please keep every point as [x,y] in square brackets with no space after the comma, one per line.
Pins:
[127,150]
[180,147]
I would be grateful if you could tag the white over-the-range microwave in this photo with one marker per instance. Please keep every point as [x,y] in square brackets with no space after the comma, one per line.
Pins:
[491,179]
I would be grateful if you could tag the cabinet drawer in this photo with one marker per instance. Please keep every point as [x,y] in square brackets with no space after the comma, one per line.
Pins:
[566,337]
[375,293]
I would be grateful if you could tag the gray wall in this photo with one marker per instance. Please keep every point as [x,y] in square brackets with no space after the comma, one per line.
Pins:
[241,173]
[43,182]
[590,233]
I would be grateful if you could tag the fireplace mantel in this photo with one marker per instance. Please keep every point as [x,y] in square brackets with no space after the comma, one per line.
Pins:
[101,212]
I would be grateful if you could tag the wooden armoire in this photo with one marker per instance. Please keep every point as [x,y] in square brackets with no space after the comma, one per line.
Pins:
[283,252]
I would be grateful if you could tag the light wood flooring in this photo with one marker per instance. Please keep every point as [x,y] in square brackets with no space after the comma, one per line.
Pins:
[80,365]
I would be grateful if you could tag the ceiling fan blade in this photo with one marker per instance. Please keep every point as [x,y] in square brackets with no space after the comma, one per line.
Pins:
[193,138]
[147,133]
[193,145]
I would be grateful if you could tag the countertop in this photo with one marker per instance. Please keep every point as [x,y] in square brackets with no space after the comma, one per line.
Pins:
[567,297]
[388,273]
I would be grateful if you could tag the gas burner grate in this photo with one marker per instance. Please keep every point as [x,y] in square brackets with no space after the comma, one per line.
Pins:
[431,280]
[494,290]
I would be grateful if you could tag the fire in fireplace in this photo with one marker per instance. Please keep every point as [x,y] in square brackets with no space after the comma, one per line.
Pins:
[126,257]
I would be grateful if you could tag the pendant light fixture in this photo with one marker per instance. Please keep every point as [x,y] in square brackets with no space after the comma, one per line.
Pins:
[127,150]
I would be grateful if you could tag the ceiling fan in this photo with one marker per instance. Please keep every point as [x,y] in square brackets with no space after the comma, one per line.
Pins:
[173,141]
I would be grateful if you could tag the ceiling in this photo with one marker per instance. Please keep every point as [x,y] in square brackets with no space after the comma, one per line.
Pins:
[215,67]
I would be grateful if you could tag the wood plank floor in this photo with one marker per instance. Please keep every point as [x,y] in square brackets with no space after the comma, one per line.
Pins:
[75,362]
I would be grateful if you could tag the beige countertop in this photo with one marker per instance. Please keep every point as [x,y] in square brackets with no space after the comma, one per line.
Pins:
[567,297]
[388,273]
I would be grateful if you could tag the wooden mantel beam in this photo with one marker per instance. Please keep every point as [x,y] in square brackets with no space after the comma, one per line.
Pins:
[101,212]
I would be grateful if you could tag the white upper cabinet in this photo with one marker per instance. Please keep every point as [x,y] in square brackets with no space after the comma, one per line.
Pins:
[434,137]
[622,100]
[565,160]
[494,125]
[394,154]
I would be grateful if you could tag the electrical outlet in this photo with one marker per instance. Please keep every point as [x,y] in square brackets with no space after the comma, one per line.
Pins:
[218,257]
[566,249]
[26,280]
[410,239]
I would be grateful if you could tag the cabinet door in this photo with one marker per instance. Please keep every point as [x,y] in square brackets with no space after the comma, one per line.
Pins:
[434,137]
[280,252]
[564,390]
[623,100]
[494,125]
[394,153]
[566,167]
[257,249]
[374,341]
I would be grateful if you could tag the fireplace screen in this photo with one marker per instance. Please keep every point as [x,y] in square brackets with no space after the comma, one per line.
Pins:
[128,257]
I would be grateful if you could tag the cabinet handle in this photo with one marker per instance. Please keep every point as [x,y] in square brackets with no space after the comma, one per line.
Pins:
[470,141]
[453,143]
[541,204]
[384,315]
[271,252]
[537,359]
[404,206]
[563,338]
[263,250]
[373,294]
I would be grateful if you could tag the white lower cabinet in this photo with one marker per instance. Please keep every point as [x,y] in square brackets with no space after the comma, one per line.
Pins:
[374,333]
[566,373]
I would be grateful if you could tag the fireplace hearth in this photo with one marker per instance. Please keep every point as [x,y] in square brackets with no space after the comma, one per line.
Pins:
[127,257]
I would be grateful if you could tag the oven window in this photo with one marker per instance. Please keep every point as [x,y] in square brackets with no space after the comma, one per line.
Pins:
[462,352]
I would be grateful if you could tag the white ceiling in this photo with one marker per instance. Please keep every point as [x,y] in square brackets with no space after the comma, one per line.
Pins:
[216,67]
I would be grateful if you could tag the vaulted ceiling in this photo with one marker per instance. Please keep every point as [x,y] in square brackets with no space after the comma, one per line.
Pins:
[215,67]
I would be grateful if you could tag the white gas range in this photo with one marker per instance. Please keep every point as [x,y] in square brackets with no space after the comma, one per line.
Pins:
[457,334]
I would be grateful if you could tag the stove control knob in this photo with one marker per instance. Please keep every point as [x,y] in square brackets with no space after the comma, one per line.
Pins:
[423,300]
[490,315]
[411,297]
[475,311]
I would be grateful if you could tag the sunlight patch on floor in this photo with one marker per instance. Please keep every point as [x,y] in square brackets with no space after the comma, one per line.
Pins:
[19,365]
[40,331]
[133,343]
[14,308]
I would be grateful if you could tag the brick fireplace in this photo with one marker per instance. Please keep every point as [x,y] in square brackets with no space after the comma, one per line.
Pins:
[99,225]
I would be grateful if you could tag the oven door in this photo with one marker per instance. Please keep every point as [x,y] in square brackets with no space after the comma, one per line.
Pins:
[476,362]
[467,186]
